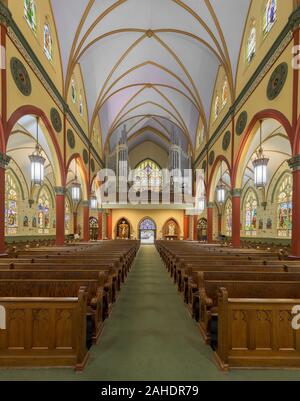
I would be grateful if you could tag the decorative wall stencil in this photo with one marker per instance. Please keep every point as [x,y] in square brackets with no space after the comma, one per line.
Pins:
[93,167]
[20,76]
[241,123]
[226,140]
[56,120]
[211,158]
[277,81]
[204,165]
[85,155]
[71,139]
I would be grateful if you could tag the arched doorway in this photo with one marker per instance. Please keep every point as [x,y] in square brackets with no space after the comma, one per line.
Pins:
[123,230]
[94,225]
[147,231]
[202,230]
[171,230]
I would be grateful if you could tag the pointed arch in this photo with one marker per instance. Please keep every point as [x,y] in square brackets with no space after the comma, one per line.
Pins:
[212,177]
[83,173]
[56,154]
[250,132]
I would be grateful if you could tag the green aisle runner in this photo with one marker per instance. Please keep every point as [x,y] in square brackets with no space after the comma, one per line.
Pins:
[150,336]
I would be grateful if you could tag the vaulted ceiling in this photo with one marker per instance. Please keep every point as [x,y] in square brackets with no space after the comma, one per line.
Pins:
[150,63]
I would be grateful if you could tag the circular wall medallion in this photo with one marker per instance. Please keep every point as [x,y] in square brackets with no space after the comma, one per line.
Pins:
[71,139]
[211,158]
[56,120]
[85,156]
[93,167]
[241,123]
[226,140]
[204,165]
[277,81]
[20,76]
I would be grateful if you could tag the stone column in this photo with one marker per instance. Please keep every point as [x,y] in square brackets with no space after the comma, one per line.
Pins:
[4,161]
[236,218]
[86,220]
[210,230]
[294,164]
[60,193]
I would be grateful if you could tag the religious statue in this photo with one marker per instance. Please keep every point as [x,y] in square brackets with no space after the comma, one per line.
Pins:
[172,230]
[123,230]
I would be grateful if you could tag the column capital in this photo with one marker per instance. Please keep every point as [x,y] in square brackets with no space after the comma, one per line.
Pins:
[60,191]
[210,205]
[5,15]
[294,163]
[236,193]
[85,204]
[4,160]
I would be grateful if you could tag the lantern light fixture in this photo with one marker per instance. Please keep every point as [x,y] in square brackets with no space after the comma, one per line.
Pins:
[76,187]
[260,165]
[93,202]
[221,190]
[37,161]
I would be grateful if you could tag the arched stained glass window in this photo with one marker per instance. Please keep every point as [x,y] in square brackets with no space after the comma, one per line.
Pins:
[228,218]
[285,207]
[147,224]
[11,204]
[251,214]
[67,217]
[225,93]
[270,15]
[44,212]
[48,45]
[251,43]
[30,13]
[217,107]
[73,91]
[148,176]
[81,105]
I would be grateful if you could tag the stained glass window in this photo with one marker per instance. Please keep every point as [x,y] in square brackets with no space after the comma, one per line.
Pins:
[217,107]
[67,217]
[285,207]
[73,91]
[270,15]
[48,48]
[148,176]
[228,218]
[44,212]
[30,13]
[251,44]
[147,224]
[81,105]
[251,214]
[11,205]
[225,93]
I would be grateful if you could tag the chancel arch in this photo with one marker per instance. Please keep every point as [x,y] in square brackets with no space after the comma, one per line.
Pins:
[147,230]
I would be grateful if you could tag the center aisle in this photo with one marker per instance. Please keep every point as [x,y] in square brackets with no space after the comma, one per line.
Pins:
[150,336]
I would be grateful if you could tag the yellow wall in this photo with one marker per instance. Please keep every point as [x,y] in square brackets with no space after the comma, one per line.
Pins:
[36,40]
[148,150]
[264,43]
[135,216]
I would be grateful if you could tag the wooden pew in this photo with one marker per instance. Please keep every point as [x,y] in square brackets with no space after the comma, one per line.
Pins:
[208,298]
[44,332]
[62,288]
[255,330]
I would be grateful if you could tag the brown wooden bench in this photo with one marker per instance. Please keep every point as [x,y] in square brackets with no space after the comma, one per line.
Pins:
[44,332]
[257,332]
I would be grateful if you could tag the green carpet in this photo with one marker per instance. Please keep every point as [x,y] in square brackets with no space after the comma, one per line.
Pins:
[150,336]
